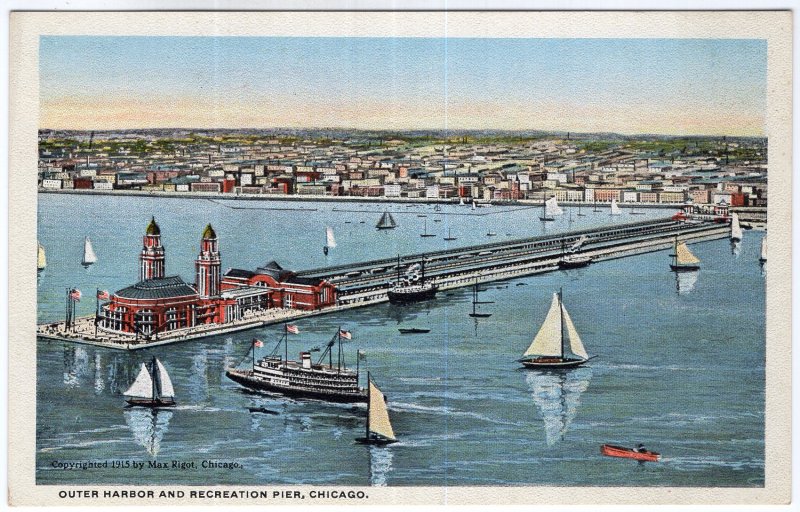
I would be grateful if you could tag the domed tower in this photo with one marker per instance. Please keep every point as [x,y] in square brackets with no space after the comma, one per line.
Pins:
[152,256]
[208,265]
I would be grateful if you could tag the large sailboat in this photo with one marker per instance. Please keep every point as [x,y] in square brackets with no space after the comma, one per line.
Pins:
[736,229]
[551,209]
[379,429]
[683,259]
[89,257]
[411,287]
[557,344]
[303,379]
[330,241]
[614,208]
[386,221]
[763,257]
[41,258]
[152,387]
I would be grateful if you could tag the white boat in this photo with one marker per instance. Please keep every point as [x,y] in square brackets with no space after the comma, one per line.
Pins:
[614,208]
[461,202]
[152,387]
[89,257]
[736,229]
[763,257]
[330,241]
[551,209]
[557,344]
[41,258]
[379,429]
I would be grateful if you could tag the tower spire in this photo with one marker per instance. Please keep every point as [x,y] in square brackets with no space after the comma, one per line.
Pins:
[152,256]
[208,264]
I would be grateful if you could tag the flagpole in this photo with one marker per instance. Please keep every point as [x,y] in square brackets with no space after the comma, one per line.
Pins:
[285,345]
[97,311]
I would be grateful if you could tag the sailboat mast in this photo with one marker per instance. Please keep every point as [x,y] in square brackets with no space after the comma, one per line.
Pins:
[156,379]
[369,382]
[561,315]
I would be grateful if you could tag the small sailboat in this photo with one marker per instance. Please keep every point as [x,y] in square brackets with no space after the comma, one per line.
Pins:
[89,257]
[449,236]
[473,204]
[580,213]
[152,387]
[551,209]
[557,344]
[386,221]
[475,302]
[736,228]
[614,208]
[461,202]
[763,257]
[683,259]
[379,429]
[41,258]
[425,233]
[330,241]
[595,210]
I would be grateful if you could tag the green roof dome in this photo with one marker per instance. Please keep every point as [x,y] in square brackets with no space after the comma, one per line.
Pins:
[209,233]
[152,228]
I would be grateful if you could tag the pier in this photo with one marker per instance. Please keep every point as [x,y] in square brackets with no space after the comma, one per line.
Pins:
[365,283]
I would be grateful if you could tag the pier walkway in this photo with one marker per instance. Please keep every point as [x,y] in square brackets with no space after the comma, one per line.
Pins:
[365,283]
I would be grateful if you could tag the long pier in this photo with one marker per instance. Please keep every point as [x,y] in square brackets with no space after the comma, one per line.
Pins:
[366,283]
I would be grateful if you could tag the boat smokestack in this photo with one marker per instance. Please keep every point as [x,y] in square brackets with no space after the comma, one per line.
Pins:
[305,357]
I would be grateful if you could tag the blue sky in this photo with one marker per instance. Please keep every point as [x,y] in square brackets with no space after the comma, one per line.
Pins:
[674,86]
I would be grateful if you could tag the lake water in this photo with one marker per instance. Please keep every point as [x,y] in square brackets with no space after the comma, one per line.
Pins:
[679,366]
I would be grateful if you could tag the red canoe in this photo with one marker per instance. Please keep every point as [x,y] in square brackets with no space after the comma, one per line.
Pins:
[629,453]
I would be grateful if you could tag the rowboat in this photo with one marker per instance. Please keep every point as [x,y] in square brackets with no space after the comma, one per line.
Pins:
[629,453]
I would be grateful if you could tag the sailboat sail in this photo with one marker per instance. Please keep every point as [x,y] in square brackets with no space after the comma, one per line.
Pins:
[614,208]
[684,255]
[736,229]
[142,387]
[387,221]
[764,248]
[41,258]
[551,207]
[89,256]
[548,340]
[167,390]
[575,344]
[378,414]
[330,241]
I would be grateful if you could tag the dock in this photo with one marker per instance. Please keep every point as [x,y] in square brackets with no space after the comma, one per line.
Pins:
[364,284]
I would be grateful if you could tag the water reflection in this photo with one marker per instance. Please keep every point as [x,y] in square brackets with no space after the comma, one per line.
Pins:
[99,384]
[76,364]
[380,464]
[198,376]
[736,248]
[557,395]
[148,427]
[685,281]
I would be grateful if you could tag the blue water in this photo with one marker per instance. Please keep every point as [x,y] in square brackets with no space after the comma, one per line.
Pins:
[682,373]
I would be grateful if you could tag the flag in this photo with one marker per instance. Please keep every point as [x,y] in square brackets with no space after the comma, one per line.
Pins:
[346,334]
[258,343]
[292,329]
[362,356]
[75,294]
[102,295]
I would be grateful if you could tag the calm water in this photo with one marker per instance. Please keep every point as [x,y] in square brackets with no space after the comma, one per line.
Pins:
[682,373]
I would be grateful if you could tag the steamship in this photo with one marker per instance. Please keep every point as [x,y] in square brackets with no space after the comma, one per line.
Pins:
[275,373]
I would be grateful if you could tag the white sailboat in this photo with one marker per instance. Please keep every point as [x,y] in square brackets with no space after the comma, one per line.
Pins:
[461,202]
[41,258]
[614,208]
[551,209]
[736,229]
[763,257]
[330,241]
[557,344]
[379,428]
[89,257]
[152,387]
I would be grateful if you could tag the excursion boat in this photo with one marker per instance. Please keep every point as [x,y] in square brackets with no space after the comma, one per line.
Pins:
[683,259]
[386,221]
[301,379]
[152,387]
[379,429]
[411,288]
[569,261]
[639,454]
[557,344]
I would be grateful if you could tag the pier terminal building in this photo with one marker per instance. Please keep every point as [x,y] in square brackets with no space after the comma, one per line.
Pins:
[159,303]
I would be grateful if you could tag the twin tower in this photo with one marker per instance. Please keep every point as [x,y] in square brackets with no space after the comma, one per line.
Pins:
[207,265]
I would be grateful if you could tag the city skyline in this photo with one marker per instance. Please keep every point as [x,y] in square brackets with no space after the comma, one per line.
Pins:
[626,86]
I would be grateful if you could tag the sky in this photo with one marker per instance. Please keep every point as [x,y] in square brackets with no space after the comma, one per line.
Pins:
[629,86]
